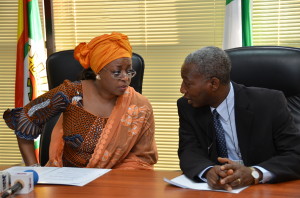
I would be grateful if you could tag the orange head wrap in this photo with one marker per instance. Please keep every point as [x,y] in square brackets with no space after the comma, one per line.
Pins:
[102,50]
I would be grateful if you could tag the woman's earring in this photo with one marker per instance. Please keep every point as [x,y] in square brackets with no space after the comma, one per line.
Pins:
[98,77]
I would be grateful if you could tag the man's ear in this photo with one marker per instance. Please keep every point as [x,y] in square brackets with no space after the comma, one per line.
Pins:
[215,83]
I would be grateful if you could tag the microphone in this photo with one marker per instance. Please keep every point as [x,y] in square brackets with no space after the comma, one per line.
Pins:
[22,183]
[4,181]
[13,189]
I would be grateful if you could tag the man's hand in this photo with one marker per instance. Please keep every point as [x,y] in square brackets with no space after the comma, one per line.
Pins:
[241,175]
[228,176]
[214,176]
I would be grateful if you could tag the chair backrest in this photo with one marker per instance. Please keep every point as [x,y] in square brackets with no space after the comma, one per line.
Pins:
[273,67]
[62,65]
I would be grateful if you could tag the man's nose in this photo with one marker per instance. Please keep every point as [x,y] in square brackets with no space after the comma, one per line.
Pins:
[182,89]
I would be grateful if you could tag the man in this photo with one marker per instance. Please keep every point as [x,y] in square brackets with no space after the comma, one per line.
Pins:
[230,135]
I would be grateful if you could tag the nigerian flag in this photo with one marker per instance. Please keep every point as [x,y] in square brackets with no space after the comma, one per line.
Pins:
[31,79]
[237,26]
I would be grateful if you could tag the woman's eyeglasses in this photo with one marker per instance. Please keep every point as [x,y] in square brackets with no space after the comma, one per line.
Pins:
[119,74]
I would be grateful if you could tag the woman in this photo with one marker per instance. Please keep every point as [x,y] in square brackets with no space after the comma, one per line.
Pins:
[105,122]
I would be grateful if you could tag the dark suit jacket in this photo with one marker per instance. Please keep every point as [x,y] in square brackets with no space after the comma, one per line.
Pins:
[266,134]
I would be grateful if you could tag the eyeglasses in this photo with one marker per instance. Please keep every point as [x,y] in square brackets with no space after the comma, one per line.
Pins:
[119,74]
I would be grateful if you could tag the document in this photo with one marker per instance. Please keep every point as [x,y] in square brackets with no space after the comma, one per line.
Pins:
[63,175]
[184,182]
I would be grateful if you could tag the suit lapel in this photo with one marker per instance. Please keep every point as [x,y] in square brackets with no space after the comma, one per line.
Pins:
[243,119]
[205,124]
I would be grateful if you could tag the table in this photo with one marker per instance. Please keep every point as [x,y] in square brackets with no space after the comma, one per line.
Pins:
[150,184]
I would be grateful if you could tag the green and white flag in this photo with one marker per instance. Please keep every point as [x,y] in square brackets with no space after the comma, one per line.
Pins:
[237,26]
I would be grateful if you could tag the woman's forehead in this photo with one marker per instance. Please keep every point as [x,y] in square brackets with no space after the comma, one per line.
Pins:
[121,62]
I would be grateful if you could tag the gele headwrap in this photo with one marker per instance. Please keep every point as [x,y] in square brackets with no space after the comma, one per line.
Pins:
[102,50]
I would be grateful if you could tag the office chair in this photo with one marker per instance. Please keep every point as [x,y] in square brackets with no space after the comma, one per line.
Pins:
[62,65]
[273,67]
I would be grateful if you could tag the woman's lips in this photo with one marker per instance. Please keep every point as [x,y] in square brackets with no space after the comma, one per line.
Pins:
[123,88]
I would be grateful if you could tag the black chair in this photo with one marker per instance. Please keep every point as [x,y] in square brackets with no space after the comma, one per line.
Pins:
[272,67]
[62,65]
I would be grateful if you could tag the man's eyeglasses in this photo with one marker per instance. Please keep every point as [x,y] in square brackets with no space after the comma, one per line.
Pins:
[119,74]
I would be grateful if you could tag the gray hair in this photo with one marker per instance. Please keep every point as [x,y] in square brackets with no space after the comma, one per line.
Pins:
[211,62]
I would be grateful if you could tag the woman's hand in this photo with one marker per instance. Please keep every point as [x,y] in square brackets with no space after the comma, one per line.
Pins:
[27,150]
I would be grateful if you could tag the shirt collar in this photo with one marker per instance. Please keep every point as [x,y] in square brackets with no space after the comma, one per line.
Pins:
[226,107]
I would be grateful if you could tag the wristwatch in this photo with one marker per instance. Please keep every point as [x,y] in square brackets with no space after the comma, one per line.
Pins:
[255,175]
